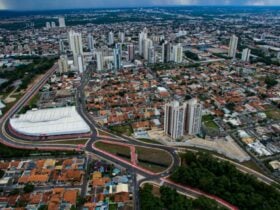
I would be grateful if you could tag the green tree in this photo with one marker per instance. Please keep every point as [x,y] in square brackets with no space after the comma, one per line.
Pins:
[28,188]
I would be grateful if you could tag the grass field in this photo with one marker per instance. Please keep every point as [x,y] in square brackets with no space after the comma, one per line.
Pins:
[121,151]
[208,121]
[154,160]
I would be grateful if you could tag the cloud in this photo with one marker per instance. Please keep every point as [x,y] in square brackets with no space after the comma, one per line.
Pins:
[263,2]
[62,4]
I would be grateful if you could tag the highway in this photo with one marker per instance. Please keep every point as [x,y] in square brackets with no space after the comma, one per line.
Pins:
[11,141]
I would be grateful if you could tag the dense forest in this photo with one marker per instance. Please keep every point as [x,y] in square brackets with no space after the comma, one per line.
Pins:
[222,179]
[171,200]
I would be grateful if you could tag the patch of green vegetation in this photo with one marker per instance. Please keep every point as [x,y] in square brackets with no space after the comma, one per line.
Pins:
[192,55]
[170,199]
[151,167]
[153,159]
[8,152]
[25,73]
[122,129]
[222,179]
[121,151]
[113,207]
[208,121]
[273,114]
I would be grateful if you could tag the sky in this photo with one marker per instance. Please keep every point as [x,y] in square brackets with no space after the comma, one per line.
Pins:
[65,4]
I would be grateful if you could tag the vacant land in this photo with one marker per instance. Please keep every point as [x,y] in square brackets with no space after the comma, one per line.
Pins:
[154,160]
[118,150]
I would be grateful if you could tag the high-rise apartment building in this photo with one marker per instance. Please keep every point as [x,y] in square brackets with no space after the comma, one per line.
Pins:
[76,46]
[111,38]
[63,64]
[246,53]
[100,61]
[178,53]
[147,45]
[131,52]
[180,120]
[90,42]
[233,46]
[142,36]
[61,22]
[117,58]
[193,112]
[151,55]
[166,52]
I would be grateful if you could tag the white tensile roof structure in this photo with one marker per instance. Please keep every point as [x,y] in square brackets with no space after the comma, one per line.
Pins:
[50,122]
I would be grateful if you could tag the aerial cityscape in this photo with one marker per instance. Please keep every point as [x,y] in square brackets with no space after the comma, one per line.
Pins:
[140,105]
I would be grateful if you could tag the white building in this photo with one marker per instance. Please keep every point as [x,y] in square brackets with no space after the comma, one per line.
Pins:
[142,36]
[122,37]
[50,122]
[194,116]
[180,120]
[61,21]
[151,55]
[48,25]
[174,120]
[148,43]
[81,65]
[246,53]
[90,42]
[63,64]
[111,39]
[178,53]
[100,61]
[53,25]
[233,46]
[76,46]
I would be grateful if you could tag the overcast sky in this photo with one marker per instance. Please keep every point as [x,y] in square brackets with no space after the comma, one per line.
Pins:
[63,4]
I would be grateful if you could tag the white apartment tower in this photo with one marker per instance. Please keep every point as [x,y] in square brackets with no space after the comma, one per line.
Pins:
[174,119]
[193,111]
[63,64]
[178,53]
[233,46]
[76,46]
[100,61]
[246,55]
[90,42]
[151,55]
[180,120]
[111,39]
[147,45]
[142,36]
[61,21]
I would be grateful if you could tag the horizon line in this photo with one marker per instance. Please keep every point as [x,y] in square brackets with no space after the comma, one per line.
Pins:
[132,7]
